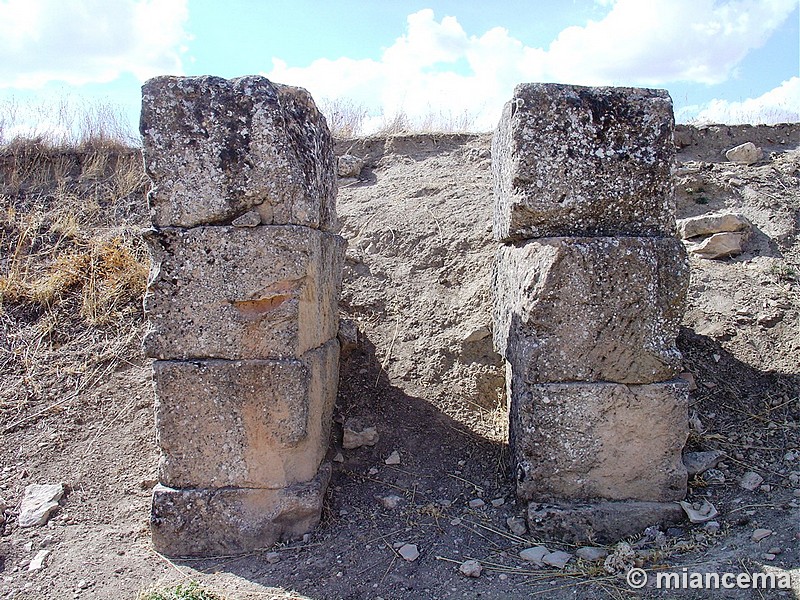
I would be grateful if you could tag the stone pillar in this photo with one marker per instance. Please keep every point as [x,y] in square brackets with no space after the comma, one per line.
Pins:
[242,304]
[589,290]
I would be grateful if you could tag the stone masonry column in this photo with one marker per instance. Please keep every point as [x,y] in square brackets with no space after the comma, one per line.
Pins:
[242,304]
[589,290]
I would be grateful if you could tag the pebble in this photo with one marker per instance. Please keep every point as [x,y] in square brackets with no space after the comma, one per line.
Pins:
[775,550]
[517,525]
[272,557]
[768,556]
[712,526]
[534,555]
[591,553]
[38,503]
[409,552]
[373,471]
[760,534]
[39,560]
[498,502]
[390,501]
[557,559]
[471,568]
[750,481]
[393,459]
[476,503]
[698,462]
[699,512]
[83,584]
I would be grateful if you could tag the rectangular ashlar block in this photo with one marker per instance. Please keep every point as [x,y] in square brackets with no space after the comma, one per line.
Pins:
[230,520]
[242,293]
[591,309]
[586,441]
[587,161]
[245,423]
[217,149]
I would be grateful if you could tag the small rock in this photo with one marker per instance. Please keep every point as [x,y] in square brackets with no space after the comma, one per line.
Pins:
[714,476]
[699,512]
[391,502]
[719,245]
[517,525]
[249,219]
[38,503]
[471,568]
[349,166]
[409,552]
[373,471]
[775,550]
[83,584]
[768,556]
[39,560]
[476,503]
[689,379]
[765,488]
[750,481]
[760,534]
[356,434]
[272,557]
[745,154]
[710,224]
[557,559]
[338,458]
[393,459]
[712,526]
[697,462]
[591,553]
[534,555]
[498,502]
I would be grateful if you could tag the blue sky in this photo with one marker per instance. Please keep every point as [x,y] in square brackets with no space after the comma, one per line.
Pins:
[722,60]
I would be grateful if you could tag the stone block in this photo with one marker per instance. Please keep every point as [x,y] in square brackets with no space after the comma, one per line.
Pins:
[584,441]
[572,160]
[242,293]
[591,309]
[249,424]
[223,521]
[217,148]
[600,522]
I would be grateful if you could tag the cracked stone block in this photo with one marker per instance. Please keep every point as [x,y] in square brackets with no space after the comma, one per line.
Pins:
[587,161]
[245,423]
[591,309]
[216,149]
[230,520]
[585,441]
[241,293]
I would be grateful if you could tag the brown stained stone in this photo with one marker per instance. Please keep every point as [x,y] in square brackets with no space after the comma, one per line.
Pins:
[572,160]
[251,424]
[223,521]
[591,309]
[584,441]
[217,148]
[241,293]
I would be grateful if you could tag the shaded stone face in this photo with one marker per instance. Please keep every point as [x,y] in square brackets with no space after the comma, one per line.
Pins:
[599,440]
[220,521]
[216,148]
[572,160]
[250,424]
[591,309]
[242,293]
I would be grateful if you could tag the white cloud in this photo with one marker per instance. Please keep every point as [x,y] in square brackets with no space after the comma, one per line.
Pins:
[86,41]
[779,105]
[648,43]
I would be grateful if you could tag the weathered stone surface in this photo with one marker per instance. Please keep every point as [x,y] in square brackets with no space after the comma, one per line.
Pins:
[38,503]
[720,245]
[600,522]
[745,154]
[217,148]
[208,522]
[582,441]
[711,223]
[349,166]
[591,309]
[242,293]
[572,160]
[249,424]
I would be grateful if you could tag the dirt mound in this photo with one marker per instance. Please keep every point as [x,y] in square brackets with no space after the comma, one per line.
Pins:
[417,284]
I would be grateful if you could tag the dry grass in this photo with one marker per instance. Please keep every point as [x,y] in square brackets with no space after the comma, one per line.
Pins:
[72,272]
